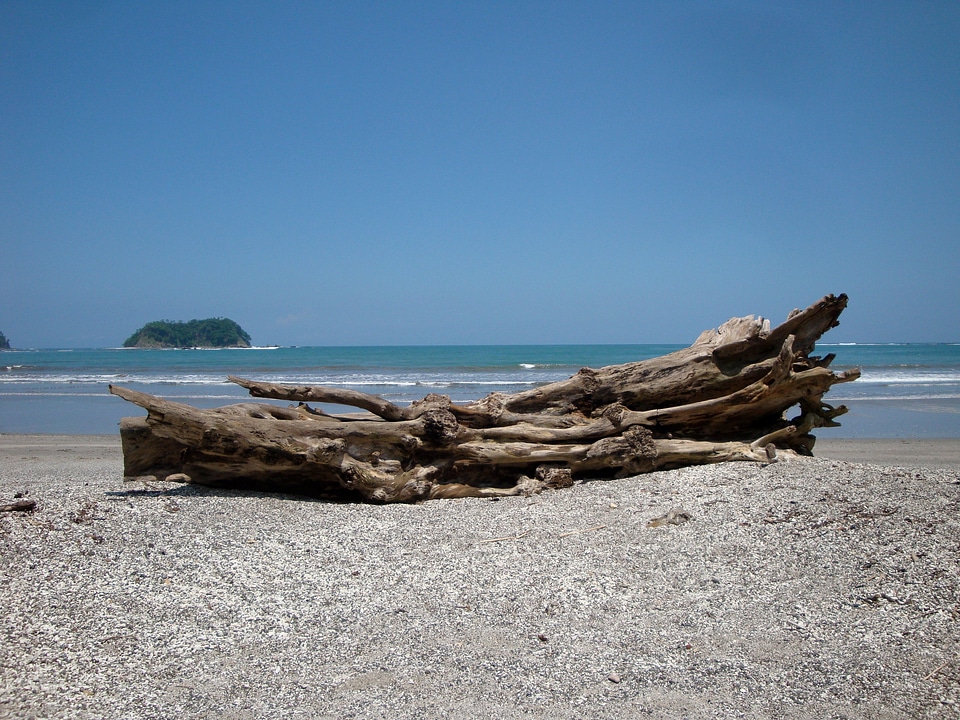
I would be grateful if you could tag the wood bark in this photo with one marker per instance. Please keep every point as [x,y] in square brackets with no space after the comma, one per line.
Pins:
[724,398]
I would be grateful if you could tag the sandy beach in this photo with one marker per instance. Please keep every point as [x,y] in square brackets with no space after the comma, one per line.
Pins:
[813,588]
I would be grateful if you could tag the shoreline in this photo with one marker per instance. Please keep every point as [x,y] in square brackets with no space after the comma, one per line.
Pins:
[101,414]
[811,587]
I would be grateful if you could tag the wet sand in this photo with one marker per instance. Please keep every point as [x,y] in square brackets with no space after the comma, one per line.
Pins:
[933,453]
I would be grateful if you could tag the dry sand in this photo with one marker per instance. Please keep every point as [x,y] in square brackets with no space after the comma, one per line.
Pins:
[817,588]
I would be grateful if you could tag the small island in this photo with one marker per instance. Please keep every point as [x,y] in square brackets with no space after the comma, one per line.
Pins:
[4,343]
[209,333]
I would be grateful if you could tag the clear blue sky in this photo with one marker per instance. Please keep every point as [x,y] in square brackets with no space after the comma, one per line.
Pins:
[338,173]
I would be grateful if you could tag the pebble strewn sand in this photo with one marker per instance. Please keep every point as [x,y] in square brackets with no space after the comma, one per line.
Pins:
[806,589]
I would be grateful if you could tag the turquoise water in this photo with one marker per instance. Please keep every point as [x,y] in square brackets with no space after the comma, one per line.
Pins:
[905,390]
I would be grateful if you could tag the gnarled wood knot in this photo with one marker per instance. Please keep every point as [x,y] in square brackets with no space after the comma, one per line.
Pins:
[440,426]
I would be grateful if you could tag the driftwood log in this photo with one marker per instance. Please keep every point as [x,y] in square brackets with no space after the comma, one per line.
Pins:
[723,398]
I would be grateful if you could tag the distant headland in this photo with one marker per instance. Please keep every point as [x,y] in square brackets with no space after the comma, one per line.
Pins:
[209,333]
[4,343]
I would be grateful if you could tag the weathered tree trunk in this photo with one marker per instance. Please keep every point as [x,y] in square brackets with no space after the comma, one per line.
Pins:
[723,398]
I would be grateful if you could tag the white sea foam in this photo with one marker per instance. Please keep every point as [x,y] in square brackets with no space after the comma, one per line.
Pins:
[837,396]
[909,377]
[104,378]
[13,378]
[865,344]
[17,374]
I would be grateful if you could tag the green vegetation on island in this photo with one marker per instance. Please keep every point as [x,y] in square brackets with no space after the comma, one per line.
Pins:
[209,333]
[4,343]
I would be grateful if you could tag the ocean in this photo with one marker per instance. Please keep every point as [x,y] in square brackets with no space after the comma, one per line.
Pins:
[906,390]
